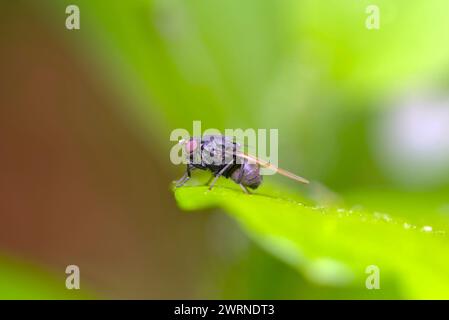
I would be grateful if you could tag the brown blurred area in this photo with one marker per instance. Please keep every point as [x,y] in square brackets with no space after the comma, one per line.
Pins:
[77,185]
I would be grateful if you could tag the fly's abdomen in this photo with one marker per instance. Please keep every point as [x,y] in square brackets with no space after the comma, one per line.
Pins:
[248,175]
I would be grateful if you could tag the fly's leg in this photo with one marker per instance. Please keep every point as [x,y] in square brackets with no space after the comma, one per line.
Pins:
[245,189]
[219,174]
[179,183]
[184,179]
[210,180]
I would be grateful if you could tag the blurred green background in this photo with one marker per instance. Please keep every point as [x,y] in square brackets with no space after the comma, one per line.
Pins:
[86,117]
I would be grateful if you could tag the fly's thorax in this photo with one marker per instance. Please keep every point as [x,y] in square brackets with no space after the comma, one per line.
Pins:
[211,150]
[218,150]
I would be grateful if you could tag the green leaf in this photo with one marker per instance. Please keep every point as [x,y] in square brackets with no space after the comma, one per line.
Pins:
[333,246]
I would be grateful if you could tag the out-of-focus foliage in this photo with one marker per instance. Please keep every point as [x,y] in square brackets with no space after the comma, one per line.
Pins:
[197,58]
[24,281]
[333,246]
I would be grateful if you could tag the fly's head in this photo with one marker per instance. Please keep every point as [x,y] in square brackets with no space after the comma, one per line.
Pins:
[192,148]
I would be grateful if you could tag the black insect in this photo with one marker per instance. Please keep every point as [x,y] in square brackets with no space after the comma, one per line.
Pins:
[222,156]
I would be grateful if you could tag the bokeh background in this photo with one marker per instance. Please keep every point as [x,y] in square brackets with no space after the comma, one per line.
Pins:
[86,117]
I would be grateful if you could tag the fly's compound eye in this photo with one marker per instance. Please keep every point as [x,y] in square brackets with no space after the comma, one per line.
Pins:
[191,146]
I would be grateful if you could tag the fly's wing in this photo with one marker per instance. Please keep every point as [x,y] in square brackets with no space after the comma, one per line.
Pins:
[265,164]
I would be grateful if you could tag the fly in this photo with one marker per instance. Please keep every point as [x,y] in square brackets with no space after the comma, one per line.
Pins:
[223,157]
